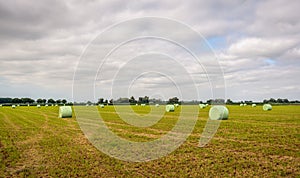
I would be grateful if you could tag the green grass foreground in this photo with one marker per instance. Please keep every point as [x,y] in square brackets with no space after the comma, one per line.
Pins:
[251,143]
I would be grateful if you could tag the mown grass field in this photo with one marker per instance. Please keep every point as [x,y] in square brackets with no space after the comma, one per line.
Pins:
[251,143]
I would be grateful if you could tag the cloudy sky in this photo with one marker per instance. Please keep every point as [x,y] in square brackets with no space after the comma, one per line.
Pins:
[257,44]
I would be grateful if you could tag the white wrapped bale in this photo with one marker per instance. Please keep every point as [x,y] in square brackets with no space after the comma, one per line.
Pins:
[101,105]
[65,111]
[267,107]
[38,106]
[156,105]
[13,106]
[202,106]
[218,113]
[170,108]
[253,105]
[241,104]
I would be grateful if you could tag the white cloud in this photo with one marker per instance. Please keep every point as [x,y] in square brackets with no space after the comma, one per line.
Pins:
[41,42]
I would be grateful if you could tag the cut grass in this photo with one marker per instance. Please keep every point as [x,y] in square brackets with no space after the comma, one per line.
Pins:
[252,143]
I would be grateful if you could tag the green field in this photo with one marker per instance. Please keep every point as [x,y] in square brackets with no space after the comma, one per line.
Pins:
[251,143]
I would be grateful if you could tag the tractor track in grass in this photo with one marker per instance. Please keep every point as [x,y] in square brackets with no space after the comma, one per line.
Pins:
[7,120]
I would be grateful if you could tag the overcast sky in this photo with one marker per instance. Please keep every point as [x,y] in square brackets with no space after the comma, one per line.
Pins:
[257,44]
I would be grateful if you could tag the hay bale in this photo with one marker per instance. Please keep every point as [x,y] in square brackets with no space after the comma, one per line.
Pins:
[245,104]
[87,105]
[38,106]
[218,113]
[176,105]
[46,105]
[241,104]
[206,104]
[156,105]
[65,111]
[253,105]
[136,104]
[267,107]
[202,106]
[18,105]
[170,108]
[101,105]
[13,106]
[0,105]
[143,104]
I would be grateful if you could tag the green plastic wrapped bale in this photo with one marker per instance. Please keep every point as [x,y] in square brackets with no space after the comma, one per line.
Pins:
[267,107]
[156,105]
[202,106]
[241,104]
[13,106]
[65,111]
[38,106]
[253,105]
[218,113]
[170,108]
[101,105]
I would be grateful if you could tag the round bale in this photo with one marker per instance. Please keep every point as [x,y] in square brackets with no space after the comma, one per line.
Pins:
[65,111]
[218,113]
[170,108]
[38,106]
[13,106]
[101,105]
[143,104]
[156,105]
[267,107]
[253,105]
[202,106]
[241,104]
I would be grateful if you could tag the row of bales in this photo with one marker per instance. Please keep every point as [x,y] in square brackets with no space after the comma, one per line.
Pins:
[217,112]
[266,107]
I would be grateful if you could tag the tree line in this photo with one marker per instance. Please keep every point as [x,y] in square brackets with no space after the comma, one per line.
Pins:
[31,101]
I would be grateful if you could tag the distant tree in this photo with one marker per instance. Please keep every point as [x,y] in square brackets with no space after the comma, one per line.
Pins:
[229,101]
[58,101]
[111,101]
[39,100]
[285,100]
[209,101]
[27,100]
[279,100]
[272,100]
[51,101]
[173,100]
[106,101]
[5,100]
[16,100]
[44,100]
[265,101]
[100,101]
[132,100]
[64,101]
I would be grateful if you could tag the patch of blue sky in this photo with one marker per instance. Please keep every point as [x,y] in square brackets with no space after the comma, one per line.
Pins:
[217,42]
